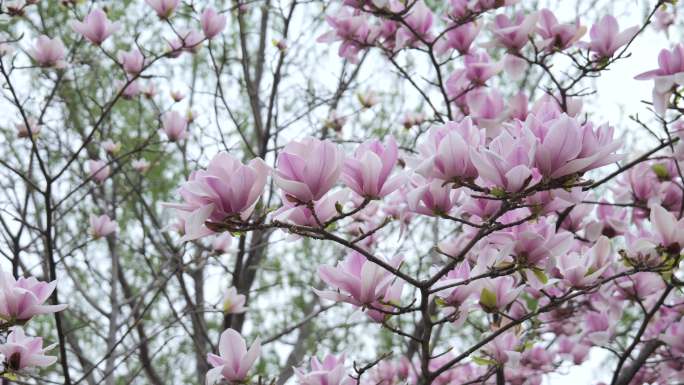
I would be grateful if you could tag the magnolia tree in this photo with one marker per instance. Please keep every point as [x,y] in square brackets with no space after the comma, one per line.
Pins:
[336,193]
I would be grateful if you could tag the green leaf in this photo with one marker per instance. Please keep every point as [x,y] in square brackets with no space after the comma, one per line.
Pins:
[532,303]
[488,300]
[661,171]
[498,192]
[483,361]
[541,276]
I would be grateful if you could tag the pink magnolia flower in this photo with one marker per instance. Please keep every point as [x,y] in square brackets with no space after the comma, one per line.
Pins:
[368,172]
[389,372]
[411,119]
[564,147]
[506,163]
[111,147]
[21,352]
[362,283]
[480,207]
[212,22]
[150,90]
[325,209]
[185,41]
[95,27]
[445,152]
[98,170]
[484,5]
[557,35]
[551,106]
[227,188]
[308,169]
[132,61]
[234,360]
[131,89]
[533,244]
[233,303]
[329,372]
[598,147]
[21,299]
[177,95]
[163,8]
[670,72]
[387,31]
[558,143]
[222,242]
[504,349]
[419,19]
[479,67]
[514,66]
[579,353]
[457,86]
[581,270]
[639,184]
[174,126]
[642,248]
[359,4]
[457,295]
[431,197]
[669,231]
[192,225]
[280,44]
[613,219]
[539,357]
[576,220]
[48,52]
[599,327]
[606,37]
[487,108]
[352,30]
[396,207]
[368,99]
[514,33]
[459,9]
[639,286]
[663,19]
[335,121]
[674,337]
[497,293]
[102,226]
[140,165]
[517,106]
[459,38]
[670,195]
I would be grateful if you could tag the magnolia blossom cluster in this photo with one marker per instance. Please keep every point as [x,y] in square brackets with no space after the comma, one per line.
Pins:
[97,28]
[667,77]
[393,27]
[507,173]
[360,25]
[554,243]
[21,299]
[460,174]
[531,158]
[557,240]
